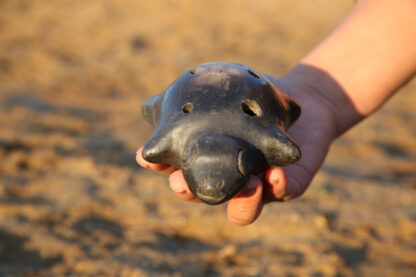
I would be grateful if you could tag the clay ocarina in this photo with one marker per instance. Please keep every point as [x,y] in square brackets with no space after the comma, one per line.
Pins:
[220,123]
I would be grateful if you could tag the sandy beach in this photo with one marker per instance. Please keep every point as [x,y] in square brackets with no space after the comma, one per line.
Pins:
[73,201]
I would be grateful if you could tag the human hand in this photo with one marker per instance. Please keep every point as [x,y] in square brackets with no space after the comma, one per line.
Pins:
[314,131]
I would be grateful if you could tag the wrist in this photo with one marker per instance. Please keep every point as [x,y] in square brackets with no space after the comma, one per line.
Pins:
[313,82]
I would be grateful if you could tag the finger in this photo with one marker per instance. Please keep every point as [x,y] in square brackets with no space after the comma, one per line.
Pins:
[246,206]
[282,184]
[178,184]
[275,184]
[162,168]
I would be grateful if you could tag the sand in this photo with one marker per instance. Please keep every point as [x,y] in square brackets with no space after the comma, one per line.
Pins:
[73,202]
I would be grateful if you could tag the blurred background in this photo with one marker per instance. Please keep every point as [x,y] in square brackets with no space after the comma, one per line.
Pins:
[73,202]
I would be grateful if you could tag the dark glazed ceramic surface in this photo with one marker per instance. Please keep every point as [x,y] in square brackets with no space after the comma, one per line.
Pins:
[220,123]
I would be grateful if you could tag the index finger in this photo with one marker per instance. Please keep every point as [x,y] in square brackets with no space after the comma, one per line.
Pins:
[161,168]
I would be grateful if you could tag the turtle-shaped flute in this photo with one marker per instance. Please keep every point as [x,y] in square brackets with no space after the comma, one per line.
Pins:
[220,123]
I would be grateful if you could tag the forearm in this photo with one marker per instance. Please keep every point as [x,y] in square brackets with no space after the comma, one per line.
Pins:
[367,57]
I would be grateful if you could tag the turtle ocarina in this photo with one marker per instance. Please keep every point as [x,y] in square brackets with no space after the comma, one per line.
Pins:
[220,123]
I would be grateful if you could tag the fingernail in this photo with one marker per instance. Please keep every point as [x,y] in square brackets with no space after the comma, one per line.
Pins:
[249,189]
[274,178]
[176,187]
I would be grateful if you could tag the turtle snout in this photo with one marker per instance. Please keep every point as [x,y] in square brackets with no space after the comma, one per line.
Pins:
[217,167]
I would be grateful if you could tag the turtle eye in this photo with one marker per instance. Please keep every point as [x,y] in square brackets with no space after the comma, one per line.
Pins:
[189,155]
[187,108]
[251,108]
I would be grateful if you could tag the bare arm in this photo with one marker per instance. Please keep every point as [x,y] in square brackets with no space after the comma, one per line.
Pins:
[370,54]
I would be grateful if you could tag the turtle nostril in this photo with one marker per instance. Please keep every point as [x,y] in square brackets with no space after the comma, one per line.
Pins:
[221,184]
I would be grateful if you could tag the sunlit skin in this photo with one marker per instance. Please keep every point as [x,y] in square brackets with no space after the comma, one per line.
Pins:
[343,80]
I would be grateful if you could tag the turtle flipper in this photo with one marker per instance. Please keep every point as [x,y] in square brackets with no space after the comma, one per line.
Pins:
[151,109]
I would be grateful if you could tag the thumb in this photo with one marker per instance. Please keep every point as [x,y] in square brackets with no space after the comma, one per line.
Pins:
[282,184]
